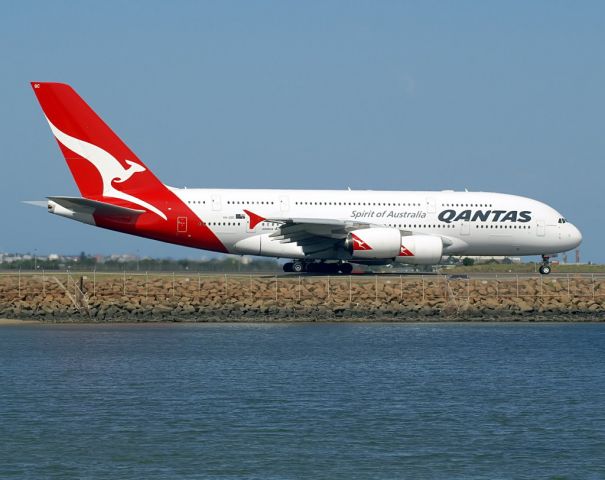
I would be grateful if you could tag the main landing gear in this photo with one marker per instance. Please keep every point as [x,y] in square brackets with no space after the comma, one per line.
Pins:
[298,266]
[545,267]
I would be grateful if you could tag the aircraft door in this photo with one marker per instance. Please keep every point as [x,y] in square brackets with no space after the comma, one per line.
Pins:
[465,228]
[181,224]
[430,205]
[215,200]
[540,228]
[284,203]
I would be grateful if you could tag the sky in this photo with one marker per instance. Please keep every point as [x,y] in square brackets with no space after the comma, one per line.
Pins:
[490,96]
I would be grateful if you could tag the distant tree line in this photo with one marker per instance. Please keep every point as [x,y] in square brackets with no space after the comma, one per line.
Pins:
[89,263]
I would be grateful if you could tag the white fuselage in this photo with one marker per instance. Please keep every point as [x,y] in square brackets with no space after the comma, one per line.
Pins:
[120,193]
[470,223]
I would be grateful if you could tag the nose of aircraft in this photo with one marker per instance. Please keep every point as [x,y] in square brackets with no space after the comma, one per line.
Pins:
[575,236]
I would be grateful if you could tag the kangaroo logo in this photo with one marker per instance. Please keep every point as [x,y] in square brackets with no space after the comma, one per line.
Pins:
[359,244]
[110,169]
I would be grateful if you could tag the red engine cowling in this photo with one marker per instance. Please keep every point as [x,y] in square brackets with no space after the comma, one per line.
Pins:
[374,243]
[420,250]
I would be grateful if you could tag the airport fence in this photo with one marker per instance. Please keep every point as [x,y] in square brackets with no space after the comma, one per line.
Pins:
[83,289]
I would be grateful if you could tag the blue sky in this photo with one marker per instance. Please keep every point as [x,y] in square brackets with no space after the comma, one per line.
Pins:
[492,96]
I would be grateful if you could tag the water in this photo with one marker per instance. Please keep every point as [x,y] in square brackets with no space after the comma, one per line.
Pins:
[334,401]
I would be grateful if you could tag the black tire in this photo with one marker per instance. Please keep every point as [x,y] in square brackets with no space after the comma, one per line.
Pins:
[346,268]
[288,267]
[298,267]
[545,269]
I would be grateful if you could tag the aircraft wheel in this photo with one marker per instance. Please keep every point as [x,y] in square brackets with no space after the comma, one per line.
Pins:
[288,267]
[346,268]
[298,267]
[545,269]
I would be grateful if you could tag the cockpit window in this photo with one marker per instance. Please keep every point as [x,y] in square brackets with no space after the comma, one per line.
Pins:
[562,220]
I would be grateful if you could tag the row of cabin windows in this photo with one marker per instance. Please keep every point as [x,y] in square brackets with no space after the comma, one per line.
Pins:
[234,224]
[488,205]
[241,202]
[502,226]
[394,225]
[224,224]
[450,225]
[368,204]
[232,202]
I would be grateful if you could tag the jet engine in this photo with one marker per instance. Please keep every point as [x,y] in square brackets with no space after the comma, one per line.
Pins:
[388,243]
[420,250]
[374,243]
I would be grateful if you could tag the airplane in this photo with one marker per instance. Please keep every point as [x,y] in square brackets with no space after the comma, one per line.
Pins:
[316,230]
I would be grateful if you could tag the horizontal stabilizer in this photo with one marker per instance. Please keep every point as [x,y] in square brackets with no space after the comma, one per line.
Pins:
[36,203]
[86,205]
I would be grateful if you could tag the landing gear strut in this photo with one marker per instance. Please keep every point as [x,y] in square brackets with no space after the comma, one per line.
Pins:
[545,267]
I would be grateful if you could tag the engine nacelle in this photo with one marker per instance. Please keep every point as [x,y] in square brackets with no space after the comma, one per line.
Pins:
[374,243]
[420,250]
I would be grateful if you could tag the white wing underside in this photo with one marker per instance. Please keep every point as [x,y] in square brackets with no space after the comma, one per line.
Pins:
[314,235]
[317,235]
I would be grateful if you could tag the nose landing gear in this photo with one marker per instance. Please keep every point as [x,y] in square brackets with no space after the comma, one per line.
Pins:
[545,267]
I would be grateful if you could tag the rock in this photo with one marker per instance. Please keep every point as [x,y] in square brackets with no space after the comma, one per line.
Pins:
[149,298]
[523,306]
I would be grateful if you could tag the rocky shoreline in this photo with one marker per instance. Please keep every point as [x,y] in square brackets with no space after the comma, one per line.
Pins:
[52,297]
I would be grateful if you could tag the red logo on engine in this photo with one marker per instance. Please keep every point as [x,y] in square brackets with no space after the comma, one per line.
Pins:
[404,252]
[359,244]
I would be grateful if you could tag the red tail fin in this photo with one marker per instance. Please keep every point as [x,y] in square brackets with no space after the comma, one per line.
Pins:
[107,171]
[101,163]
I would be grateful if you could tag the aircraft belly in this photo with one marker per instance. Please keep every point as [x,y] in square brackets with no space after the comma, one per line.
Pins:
[266,246]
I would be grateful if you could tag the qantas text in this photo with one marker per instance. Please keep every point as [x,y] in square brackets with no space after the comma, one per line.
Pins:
[449,216]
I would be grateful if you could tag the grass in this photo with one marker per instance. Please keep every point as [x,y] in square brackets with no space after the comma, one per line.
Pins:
[524,268]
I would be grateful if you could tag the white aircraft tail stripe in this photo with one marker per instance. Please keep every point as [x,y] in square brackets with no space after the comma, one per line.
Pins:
[110,169]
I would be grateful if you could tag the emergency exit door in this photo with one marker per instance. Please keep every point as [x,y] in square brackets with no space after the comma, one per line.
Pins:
[181,225]
[465,228]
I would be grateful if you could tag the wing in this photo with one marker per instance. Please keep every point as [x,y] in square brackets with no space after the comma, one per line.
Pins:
[314,235]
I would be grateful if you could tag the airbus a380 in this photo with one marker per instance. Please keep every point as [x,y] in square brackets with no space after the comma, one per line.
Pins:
[318,230]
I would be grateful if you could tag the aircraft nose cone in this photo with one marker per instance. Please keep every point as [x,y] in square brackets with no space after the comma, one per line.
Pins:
[575,236]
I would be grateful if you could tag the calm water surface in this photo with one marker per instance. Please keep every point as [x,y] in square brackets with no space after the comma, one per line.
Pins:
[333,401]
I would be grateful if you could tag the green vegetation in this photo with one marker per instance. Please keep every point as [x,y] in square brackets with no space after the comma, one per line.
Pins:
[523,268]
[237,264]
[85,262]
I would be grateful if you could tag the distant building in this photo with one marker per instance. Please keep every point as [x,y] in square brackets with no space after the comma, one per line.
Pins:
[491,259]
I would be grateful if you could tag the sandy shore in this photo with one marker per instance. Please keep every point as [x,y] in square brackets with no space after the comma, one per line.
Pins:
[10,321]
